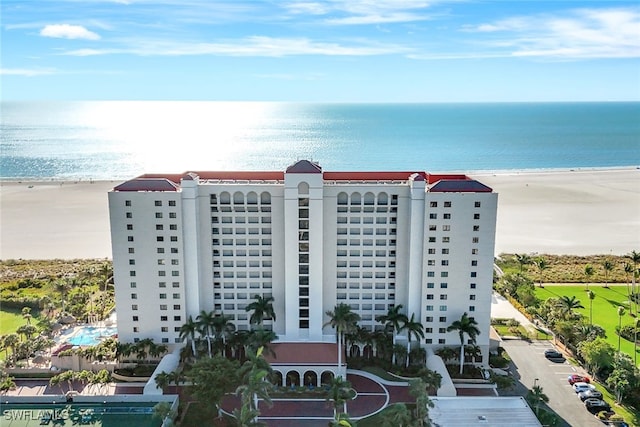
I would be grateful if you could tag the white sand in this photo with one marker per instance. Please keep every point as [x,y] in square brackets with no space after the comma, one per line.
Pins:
[571,212]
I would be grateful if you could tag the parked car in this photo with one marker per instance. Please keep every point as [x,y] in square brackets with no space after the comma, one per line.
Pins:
[596,405]
[577,379]
[553,354]
[589,394]
[579,387]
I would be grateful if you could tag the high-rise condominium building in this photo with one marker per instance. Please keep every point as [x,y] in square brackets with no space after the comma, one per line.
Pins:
[310,239]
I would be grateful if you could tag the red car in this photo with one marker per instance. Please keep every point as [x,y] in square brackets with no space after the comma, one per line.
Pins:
[577,379]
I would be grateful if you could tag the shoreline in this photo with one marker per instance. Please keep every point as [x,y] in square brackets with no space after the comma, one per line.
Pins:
[578,211]
[478,172]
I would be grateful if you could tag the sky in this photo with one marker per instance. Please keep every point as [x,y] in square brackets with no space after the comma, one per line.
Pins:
[321,51]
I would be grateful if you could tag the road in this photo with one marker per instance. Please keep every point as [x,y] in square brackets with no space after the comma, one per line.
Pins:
[530,366]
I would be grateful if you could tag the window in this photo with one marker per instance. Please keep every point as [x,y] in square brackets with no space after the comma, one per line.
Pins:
[129,238]
[432,251]
[477,204]
[442,319]
[429,308]
[175,284]
[429,296]
[176,296]
[444,274]
[474,251]
[442,341]
[163,296]
[433,216]
[132,262]
[133,284]
[434,204]
[445,251]
[428,341]
[134,307]
[129,226]
[160,250]
[174,238]
[173,227]
[430,274]
[134,296]
[447,204]
[158,203]
[158,215]
[428,330]
[172,202]
[135,318]
[159,227]
[474,274]
[174,250]
[162,284]
[162,273]
[175,273]
[431,262]
[476,228]
[472,285]
[474,262]
[472,297]
[443,297]
[164,329]
[163,307]
[159,239]
[475,240]
[429,319]
[176,306]
[447,216]
[472,308]
[432,239]
[132,273]
[132,250]
[177,318]
[445,239]
[127,202]
[444,262]
[129,215]
[442,330]
[164,318]
[175,262]
[430,285]
[446,228]
[135,329]
[476,216]
[444,285]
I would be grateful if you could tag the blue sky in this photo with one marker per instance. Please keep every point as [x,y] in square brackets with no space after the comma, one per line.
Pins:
[324,51]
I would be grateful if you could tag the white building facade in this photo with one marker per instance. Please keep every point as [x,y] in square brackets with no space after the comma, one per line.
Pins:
[310,239]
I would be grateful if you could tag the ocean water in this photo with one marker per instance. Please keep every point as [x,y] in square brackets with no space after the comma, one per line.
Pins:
[122,139]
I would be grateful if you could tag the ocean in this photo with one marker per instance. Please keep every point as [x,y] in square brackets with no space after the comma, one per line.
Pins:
[121,139]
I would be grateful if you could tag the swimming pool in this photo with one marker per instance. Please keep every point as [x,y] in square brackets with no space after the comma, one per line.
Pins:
[91,335]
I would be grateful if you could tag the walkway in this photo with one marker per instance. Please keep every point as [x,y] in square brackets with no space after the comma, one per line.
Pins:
[372,396]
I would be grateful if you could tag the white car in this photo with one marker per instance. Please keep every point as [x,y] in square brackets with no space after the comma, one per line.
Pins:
[580,387]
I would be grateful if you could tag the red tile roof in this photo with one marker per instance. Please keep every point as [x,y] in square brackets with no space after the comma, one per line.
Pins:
[453,186]
[370,176]
[148,184]
[304,354]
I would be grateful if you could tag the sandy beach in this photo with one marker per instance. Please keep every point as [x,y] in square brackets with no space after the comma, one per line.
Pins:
[578,212]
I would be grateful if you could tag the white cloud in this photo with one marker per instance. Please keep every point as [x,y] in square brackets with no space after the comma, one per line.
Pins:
[67,31]
[250,46]
[576,34]
[25,72]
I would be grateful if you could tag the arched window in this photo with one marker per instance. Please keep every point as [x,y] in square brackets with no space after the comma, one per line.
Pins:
[355,199]
[265,198]
[343,199]
[369,199]
[383,199]
[225,198]
[238,198]
[303,188]
[252,198]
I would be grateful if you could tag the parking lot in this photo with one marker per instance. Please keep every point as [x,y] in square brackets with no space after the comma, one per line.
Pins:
[531,367]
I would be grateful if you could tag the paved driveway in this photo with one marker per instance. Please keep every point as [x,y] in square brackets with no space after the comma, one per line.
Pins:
[529,363]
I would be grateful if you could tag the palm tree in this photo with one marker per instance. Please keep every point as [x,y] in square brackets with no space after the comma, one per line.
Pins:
[188,332]
[397,415]
[536,397]
[466,325]
[628,271]
[205,324]
[262,309]
[223,328]
[634,256]
[621,312]
[162,380]
[592,296]
[608,267]
[635,342]
[343,320]
[393,321]
[338,393]
[568,304]
[588,271]
[541,264]
[259,340]
[523,259]
[255,385]
[26,314]
[415,329]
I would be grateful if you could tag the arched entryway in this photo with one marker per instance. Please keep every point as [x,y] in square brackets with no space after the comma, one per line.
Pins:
[326,378]
[310,379]
[293,379]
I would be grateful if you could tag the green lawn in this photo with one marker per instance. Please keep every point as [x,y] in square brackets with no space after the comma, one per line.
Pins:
[605,308]
[10,320]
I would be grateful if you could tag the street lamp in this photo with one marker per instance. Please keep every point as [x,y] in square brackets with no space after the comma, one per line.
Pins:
[535,382]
